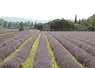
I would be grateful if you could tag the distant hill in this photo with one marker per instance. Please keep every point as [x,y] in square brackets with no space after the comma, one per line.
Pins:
[1,21]
[15,19]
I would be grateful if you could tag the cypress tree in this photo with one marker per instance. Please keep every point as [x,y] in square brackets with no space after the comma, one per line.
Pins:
[21,27]
[75,18]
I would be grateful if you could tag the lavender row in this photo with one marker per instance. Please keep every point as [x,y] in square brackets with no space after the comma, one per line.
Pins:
[88,48]
[8,30]
[78,37]
[84,35]
[7,50]
[41,59]
[82,56]
[2,38]
[12,37]
[21,56]
[87,41]
[62,57]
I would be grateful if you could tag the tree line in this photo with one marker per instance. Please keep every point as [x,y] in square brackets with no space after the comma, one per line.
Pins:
[55,25]
[70,25]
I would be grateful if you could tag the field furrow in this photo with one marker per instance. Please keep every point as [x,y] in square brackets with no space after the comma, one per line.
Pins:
[7,50]
[46,49]
[30,60]
[41,59]
[88,48]
[12,38]
[86,59]
[52,57]
[21,55]
[63,58]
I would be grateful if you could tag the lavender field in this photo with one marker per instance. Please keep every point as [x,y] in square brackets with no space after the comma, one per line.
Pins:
[56,49]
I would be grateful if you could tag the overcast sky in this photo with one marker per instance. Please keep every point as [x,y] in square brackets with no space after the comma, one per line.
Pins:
[47,9]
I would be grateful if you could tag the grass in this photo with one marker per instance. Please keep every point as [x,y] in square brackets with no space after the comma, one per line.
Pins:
[30,60]
[10,56]
[52,58]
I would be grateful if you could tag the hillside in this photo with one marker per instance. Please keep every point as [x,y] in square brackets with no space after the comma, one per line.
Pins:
[15,19]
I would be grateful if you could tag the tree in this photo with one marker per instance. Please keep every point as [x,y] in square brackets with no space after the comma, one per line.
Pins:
[61,24]
[79,22]
[91,23]
[21,27]
[5,24]
[9,25]
[39,26]
[75,18]
[35,25]
[31,25]
[77,26]
[91,28]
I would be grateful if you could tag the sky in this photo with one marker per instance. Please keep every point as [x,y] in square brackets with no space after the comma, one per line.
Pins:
[47,9]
